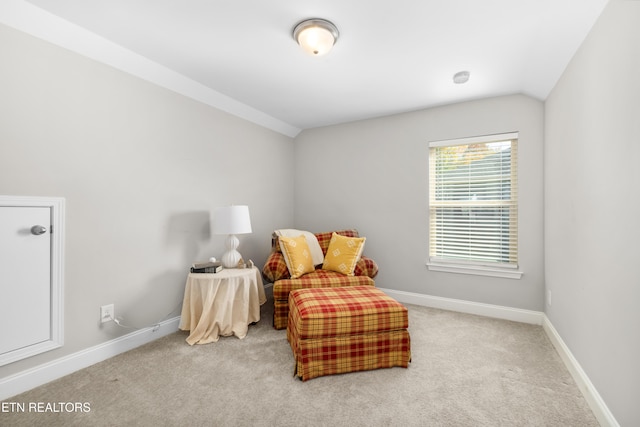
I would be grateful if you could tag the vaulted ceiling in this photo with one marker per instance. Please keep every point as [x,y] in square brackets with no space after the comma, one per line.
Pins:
[391,56]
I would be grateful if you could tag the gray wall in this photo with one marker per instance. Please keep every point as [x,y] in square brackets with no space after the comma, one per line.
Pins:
[142,169]
[592,147]
[373,175]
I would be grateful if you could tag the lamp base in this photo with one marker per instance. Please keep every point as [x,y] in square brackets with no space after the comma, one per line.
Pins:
[231,258]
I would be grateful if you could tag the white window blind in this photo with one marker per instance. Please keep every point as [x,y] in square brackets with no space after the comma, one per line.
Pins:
[473,201]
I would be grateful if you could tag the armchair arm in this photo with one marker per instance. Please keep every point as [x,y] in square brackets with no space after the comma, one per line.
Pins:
[366,267]
[275,268]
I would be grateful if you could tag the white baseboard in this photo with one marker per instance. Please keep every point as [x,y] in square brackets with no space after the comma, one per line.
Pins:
[488,310]
[591,395]
[42,374]
[31,378]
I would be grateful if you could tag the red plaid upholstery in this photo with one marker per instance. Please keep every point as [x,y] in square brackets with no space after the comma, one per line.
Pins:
[323,239]
[328,312]
[340,330]
[366,267]
[318,279]
[276,268]
[275,271]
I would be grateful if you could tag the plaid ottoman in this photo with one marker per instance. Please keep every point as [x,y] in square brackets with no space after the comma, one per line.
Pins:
[346,329]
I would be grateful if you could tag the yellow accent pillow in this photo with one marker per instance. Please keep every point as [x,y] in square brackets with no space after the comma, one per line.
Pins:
[343,254]
[297,255]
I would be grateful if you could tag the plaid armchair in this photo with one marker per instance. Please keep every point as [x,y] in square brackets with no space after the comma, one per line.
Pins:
[275,271]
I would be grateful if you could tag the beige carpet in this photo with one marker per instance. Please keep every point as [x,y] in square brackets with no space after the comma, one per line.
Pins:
[466,371]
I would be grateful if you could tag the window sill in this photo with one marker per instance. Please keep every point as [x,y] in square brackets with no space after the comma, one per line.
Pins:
[475,270]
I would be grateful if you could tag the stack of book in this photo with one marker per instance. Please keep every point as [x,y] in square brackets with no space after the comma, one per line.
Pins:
[206,267]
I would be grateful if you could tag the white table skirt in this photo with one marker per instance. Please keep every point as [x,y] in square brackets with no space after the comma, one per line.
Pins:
[221,304]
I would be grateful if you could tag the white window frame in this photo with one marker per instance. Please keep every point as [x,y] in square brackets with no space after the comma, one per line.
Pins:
[493,269]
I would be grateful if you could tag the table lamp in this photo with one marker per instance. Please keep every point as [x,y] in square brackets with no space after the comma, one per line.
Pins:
[232,220]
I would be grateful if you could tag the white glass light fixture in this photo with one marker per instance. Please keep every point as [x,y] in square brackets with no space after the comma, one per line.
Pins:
[232,220]
[316,36]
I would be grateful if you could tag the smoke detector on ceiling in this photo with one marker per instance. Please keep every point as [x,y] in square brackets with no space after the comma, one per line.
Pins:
[461,77]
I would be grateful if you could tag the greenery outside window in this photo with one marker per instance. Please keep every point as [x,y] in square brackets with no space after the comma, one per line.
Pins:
[473,205]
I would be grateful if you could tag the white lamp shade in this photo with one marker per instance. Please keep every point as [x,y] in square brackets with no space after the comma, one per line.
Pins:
[232,220]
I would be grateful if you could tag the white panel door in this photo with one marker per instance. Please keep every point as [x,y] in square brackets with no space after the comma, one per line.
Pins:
[25,277]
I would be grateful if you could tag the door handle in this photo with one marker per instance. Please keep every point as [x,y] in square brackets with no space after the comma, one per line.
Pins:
[38,230]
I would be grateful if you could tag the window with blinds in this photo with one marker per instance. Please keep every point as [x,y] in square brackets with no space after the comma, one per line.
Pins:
[473,202]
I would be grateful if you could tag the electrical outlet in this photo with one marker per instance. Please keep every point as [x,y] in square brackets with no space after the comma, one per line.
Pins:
[107,313]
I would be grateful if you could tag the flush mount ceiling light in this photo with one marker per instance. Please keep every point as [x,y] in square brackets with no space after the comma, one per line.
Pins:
[461,77]
[316,36]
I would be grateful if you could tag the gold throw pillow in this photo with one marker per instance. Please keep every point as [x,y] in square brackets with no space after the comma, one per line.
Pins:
[343,254]
[297,255]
